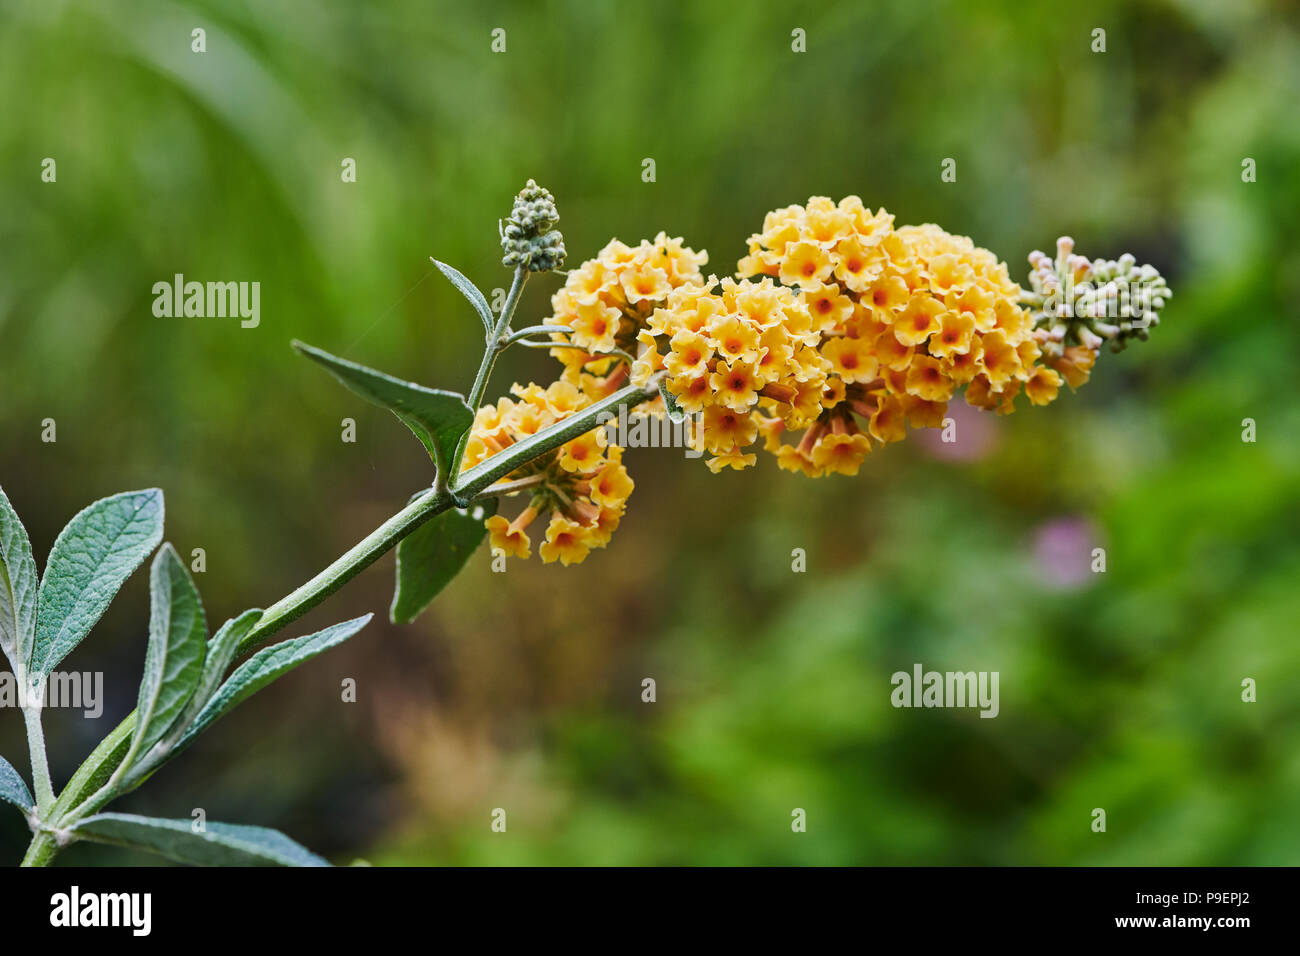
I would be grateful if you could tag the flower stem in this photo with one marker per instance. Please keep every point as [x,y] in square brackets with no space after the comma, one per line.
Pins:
[87,790]
[496,343]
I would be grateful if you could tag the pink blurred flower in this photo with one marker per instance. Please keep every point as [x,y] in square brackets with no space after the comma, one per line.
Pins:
[973,434]
[1063,552]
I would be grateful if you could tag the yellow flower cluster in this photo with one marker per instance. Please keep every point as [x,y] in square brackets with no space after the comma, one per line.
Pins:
[606,301]
[730,352]
[838,325]
[583,483]
[905,317]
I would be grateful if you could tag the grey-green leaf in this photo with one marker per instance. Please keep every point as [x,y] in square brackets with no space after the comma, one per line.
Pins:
[431,555]
[219,844]
[13,789]
[470,291]
[221,651]
[18,584]
[178,633]
[675,413]
[265,666]
[91,558]
[437,418]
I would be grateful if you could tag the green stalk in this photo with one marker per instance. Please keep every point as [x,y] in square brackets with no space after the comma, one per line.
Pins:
[88,789]
[496,344]
[40,762]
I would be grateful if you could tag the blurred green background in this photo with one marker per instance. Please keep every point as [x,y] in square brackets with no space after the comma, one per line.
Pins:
[1119,690]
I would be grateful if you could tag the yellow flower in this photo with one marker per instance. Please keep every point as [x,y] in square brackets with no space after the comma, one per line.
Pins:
[949,273]
[566,542]
[976,302]
[735,386]
[594,326]
[830,307]
[1075,364]
[790,458]
[889,423]
[892,353]
[962,366]
[583,454]
[926,380]
[505,537]
[922,413]
[731,459]
[611,485]
[599,534]
[1001,361]
[644,282]
[1043,386]
[690,354]
[918,321]
[805,263]
[725,429]
[887,296]
[734,338]
[693,393]
[955,332]
[852,359]
[840,453]
[858,264]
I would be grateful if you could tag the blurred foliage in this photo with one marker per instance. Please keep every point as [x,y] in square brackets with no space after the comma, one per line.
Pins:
[522,691]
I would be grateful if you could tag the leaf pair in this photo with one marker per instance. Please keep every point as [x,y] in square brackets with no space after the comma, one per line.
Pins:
[440,419]
[431,556]
[92,556]
[183,692]
[184,688]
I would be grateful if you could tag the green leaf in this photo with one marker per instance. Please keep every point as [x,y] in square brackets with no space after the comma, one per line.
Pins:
[173,665]
[470,291]
[264,667]
[18,584]
[220,844]
[221,651]
[437,418]
[13,789]
[91,558]
[431,555]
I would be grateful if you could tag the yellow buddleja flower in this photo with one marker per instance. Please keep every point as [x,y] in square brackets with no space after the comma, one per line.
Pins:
[735,354]
[583,484]
[902,317]
[606,302]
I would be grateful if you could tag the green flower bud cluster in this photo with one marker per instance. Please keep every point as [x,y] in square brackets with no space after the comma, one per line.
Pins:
[529,237]
[1077,301]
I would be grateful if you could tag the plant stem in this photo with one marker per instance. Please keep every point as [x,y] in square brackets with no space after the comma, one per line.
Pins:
[365,553]
[87,790]
[41,850]
[40,762]
[479,477]
[495,345]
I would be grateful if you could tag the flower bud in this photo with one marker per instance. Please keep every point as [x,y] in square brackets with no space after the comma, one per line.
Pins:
[529,238]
